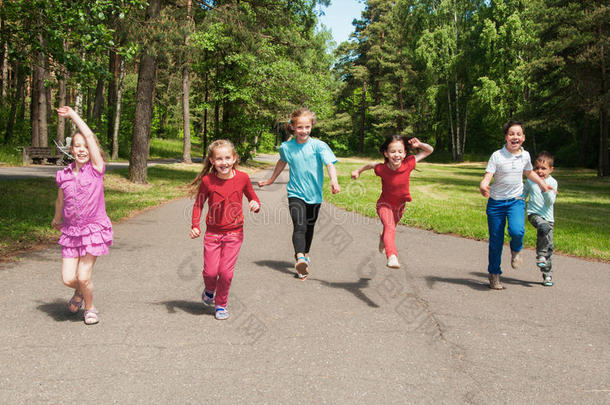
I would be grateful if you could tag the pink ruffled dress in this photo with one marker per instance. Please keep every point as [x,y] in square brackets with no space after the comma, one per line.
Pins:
[86,227]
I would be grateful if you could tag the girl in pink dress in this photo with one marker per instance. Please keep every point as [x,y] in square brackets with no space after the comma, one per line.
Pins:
[80,215]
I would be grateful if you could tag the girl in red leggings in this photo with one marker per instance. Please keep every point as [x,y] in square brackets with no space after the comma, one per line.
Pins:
[223,187]
[395,172]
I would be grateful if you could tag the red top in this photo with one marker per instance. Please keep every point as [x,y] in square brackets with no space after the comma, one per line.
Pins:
[225,213]
[395,183]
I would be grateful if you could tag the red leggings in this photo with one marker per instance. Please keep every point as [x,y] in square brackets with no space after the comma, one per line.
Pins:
[390,214]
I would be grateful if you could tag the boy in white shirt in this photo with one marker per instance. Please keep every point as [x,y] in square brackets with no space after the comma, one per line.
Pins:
[540,214]
[505,199]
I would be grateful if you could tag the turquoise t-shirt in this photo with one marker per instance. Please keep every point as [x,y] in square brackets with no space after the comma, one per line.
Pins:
[306,163]
[538,202]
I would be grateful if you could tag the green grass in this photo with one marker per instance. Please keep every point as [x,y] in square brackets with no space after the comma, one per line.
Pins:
[28,206]
[172,148]
[446,199]
[10,155]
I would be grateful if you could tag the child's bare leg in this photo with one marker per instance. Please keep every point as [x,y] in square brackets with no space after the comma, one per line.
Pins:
[69,266]
[85,266]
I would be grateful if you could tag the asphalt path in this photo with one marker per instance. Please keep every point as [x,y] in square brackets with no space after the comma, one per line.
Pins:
[354,332]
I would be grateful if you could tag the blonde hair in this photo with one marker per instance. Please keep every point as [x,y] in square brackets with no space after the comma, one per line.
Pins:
[299,113]
[207,164]
[97,141]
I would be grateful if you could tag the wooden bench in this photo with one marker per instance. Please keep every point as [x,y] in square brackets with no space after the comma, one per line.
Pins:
[40,154]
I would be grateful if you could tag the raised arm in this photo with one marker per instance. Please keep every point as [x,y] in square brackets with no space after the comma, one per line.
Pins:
[424,149]
[332,173]
[94,151]
[356,173]
[279,166]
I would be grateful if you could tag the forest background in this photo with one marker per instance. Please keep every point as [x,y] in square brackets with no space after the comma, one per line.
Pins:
[448,71]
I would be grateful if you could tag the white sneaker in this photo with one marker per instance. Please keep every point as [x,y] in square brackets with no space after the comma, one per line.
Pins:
[393,262]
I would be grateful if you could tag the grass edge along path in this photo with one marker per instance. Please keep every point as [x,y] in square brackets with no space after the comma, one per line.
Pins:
[28,205]
[446,200]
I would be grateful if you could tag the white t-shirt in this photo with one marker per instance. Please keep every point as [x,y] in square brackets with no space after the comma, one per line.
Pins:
[508,173]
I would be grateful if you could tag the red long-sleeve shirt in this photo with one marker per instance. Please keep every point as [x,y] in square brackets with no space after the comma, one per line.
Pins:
[225,213]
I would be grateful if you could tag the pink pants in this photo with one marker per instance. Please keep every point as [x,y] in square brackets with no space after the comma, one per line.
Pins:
[220,251]
[390,215]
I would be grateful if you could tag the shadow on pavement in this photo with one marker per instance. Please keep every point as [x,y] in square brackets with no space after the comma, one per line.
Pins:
[58,310]
[480,283]
[281,266]
[192,307]
[352,287]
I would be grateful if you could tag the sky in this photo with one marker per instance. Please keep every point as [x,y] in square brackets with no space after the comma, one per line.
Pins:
[338,18]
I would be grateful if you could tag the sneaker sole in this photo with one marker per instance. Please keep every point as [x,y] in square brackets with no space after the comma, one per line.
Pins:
[302,268]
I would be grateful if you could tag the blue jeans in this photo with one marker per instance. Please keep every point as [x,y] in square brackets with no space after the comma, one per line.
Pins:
[497,213]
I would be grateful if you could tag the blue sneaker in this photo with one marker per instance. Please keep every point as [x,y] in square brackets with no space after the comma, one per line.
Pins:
[207,297]
[221,313]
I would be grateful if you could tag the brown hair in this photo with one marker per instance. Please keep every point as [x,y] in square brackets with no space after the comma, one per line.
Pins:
[545,157]
[97,141]
[512,123]
[208,166]
[299,113]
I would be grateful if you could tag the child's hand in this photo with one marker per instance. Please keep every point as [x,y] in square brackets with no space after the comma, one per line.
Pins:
[264,183]
[57,223]
[195,233]
[355,174]
[415,143]
[484,189]
[65,111]
[335,187]
[254,206]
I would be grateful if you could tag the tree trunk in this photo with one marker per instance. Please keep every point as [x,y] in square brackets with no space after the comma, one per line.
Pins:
[463,150]
[4,68]
[362,118]
[61,101]
[113,66]
[40,137]
[204,136]
[401,103]
[603,169]
[117,113]
[144,107]
[458,136]
[16,100]
[96,114]
[142,119]
[186,118]
[186,90]
[450,115]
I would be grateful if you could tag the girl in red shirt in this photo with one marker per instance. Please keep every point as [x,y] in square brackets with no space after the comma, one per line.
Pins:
[395,172]
[223,186]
